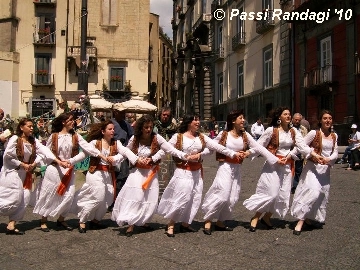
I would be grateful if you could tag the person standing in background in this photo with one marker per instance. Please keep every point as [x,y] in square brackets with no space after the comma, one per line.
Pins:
[257,129]
[164,125]
[296,121]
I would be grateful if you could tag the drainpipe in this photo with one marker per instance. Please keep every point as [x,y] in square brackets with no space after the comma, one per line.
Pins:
[292,46]
[66,42]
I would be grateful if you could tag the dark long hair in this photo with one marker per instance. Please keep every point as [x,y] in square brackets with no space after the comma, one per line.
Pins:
[275,115]
[22,123]
[57,123]
[95,132]
[321,115]
[147,118]
[232,117]
[186,122]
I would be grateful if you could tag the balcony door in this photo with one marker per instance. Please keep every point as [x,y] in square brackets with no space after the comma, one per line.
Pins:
[42,68]
[326,59]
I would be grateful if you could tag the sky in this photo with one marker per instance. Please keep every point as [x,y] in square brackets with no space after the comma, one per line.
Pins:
[163,8]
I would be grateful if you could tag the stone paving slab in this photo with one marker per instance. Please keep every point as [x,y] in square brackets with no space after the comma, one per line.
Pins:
[336,246]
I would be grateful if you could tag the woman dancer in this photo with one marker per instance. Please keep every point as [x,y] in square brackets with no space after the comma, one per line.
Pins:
[20,158]
[97,193]
[274,186]
[312,194]
[137,200]
[219,201]
[181,198]
[57,189]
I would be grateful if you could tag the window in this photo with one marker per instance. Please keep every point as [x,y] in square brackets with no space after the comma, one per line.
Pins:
[240,79]
[268,73]
[45,29]
[240,24]
[220,88]
[42,68]
[109,13]
[203,7]
[326,55]
[268,4]
[220,37]
[326,59]
[117,76]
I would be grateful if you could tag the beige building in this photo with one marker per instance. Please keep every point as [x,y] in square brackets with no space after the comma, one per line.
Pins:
[248,63]
[40,46]
[160,66]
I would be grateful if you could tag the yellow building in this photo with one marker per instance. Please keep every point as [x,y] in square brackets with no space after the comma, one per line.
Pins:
[40,51]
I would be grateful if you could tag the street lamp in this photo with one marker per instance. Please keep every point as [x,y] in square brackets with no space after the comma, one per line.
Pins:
[83,72]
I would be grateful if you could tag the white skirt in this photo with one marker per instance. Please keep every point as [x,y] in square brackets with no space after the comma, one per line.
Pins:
[49,203]
[135,205]
[223,194]
[312,193]
[13,197]
[272,191]
[94,197]
[182,197]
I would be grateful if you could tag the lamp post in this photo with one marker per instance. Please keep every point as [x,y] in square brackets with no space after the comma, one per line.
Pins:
[83,72]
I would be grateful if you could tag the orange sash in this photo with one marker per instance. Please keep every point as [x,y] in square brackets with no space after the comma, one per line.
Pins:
[65,181]
[291,162]
[191,166]
[106,168]
[154,170]
[28,181]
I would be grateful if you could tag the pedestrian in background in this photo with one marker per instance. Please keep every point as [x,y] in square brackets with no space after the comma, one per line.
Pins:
[182,196]
[272,193]
[257,129]
[224,192]
[296,122]
[22,154]
[354,138]
[165,124]
[312,194]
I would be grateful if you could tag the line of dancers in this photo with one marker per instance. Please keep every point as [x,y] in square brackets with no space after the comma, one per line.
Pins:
[137,202]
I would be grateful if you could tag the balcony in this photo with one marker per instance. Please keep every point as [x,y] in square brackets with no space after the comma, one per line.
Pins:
[264,25]
[219,53]
[181,12]
[238,40]
[44,38]
[47,3]
[42,78]
[320,77]
[74,51]
[204,18]
[173,24]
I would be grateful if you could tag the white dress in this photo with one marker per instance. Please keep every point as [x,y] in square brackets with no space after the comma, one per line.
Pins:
[182,196]
[224,192]
[273,189]
[312,193]
[135,205]
[13,197]
[49,202]
[97,193]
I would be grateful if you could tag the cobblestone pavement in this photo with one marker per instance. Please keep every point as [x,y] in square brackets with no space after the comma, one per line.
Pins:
[336,246]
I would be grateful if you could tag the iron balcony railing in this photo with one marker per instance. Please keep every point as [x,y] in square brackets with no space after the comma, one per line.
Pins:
[266,23]
[42,79]
[238,40]
[319,76]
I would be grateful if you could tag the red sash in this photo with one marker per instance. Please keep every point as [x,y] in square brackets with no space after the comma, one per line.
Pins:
[154,170]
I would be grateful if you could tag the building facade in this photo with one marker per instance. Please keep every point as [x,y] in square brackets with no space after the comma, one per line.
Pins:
[327,62]
[41,38]
[160,66]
